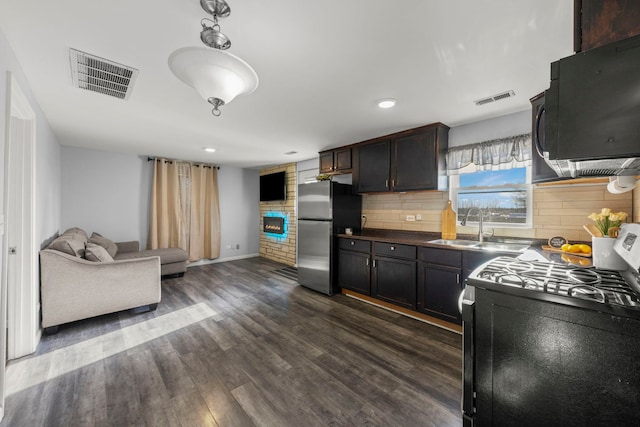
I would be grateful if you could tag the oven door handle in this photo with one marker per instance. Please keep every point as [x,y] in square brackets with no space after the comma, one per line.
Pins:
[468,348]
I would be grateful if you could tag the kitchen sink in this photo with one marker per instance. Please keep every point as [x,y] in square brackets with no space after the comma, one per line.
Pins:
[502,247]
[455,242]
[487,246]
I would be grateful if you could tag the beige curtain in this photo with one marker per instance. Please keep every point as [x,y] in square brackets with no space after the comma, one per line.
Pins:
[184,209]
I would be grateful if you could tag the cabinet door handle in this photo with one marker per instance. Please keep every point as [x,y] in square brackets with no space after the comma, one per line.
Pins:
[393,182]
[374,263]
[458,278]
[367,262]
[393,248]
[353,243]
[386,183]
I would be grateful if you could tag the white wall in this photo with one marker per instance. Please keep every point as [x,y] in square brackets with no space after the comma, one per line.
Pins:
[46,209]
[486,130]
[109,193]
[239,191]
[106,192]
[47,151]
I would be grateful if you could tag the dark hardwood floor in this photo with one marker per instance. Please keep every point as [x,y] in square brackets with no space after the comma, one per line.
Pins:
[237,344]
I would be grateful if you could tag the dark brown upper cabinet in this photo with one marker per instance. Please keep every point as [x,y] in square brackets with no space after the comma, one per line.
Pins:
[411,160]
[372,166]
[600,22]
[335,161]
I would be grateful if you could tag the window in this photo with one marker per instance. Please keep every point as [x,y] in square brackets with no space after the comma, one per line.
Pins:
[504,196]
[494,176]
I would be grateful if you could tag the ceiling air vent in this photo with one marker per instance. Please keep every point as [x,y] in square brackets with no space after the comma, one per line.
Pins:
[493,98]
[101,75]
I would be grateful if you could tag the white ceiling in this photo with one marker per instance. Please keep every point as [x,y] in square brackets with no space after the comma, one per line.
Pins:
[321,65]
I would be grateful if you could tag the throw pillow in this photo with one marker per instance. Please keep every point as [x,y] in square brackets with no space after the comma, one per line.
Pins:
[76,233]
[109,245]
[97,253]
[68,246]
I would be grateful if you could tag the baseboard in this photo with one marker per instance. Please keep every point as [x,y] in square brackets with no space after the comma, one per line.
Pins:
[406,312]
[217,260]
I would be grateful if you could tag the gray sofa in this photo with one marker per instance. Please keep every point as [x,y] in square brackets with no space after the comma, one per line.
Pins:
[82,277]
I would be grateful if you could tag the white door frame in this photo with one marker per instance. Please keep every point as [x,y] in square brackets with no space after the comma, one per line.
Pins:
[19,299]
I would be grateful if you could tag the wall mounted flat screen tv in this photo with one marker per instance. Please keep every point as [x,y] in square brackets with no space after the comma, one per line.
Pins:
[273,187]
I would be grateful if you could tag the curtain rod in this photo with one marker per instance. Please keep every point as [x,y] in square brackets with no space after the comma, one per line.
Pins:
[204,165]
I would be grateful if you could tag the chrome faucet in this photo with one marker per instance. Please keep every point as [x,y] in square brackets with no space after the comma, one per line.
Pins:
[480,217]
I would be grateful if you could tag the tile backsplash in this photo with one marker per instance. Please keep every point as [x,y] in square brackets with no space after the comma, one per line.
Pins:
[557,210]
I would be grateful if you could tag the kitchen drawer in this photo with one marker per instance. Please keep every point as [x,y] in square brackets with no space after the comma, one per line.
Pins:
[355,245]
[394,250]
[450,257]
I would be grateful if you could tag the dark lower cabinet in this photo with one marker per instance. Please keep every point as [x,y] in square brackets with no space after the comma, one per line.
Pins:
[394,281]
[394,274]
[440,283]
[440,288]
[354,265]
[354,271]
[426,279]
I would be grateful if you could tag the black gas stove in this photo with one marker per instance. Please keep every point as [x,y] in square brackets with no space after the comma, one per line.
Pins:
[568,281]
[548,343]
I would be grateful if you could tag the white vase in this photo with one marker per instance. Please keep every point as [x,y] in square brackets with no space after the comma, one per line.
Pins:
[604,256]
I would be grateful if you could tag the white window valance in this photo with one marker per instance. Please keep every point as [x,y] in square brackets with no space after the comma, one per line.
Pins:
[497,154]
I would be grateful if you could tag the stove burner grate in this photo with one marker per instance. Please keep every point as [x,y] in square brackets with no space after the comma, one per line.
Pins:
[604,286]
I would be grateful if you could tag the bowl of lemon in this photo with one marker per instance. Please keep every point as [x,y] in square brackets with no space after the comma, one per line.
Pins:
[562,245]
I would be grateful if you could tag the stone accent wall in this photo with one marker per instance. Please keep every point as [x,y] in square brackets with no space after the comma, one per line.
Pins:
[557,210]
[275,247]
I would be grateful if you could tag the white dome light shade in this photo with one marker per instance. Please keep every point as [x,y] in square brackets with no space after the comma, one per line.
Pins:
[213,73]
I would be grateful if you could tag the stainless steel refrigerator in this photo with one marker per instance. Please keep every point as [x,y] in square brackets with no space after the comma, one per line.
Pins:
[325,209]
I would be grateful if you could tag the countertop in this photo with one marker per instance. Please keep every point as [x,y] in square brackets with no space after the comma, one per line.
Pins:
[420,238]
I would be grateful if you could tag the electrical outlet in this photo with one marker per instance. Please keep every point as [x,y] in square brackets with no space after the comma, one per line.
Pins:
[411,217]
[418,217]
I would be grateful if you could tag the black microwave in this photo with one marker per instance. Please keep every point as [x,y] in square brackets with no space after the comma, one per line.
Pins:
[592,107]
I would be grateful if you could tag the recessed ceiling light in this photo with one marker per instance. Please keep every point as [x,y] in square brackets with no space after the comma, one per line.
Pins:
[209,149]
[386,103]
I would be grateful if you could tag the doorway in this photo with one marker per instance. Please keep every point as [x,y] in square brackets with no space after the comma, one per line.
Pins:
[19,299]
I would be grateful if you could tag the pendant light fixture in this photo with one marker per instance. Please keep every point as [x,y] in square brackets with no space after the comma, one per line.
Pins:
[216,75]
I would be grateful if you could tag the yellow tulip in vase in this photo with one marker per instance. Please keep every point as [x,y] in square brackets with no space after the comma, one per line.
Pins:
[608,223]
